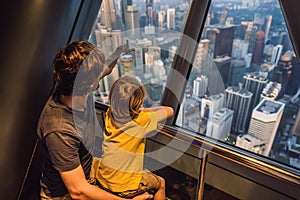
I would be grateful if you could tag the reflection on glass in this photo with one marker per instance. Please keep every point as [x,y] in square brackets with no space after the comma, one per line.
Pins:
[152,28]
[249,44]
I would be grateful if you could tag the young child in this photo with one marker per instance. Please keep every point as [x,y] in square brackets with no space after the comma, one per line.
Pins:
[126,124]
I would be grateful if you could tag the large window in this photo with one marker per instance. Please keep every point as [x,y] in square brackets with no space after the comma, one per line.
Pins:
[257,110]
[243,87]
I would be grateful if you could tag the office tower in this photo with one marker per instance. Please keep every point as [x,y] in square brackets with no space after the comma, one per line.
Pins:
[171,18]
[201,54]
[143,20]
[248,59]
[267,26]
[124,4]
[258,48]
[149,11]
[223,64]
[108,14]
[251,37]
[161,19]
[221,38]
[271,91]
[108,40]
[296,127]
[264,122]
[172,52]
[219,125]
[132,22]
[276,54]
[159,70]
[284,71]
[154,90]
[126,63]
[286,42]
[200,86]
[293,84]
[254,83]
[238,100]
[139,63]
[239,48]
[251,143]
[210,105]
[238,69]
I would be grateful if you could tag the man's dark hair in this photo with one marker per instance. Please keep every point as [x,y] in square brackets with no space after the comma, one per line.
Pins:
[76,68]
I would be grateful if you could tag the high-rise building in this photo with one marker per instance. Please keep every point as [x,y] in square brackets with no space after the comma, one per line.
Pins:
[161,19]
[284,71]
[108,40]
[238,100]
[171,18]
[219,125]
[200,86]
[201,54]
[254,83]
[221,38]
[223,64]
[139,61]
[239,48]
[132,24]
[238,69]
[172,52]
[271,91]
[276,54]
[264,122]
[126,62]
[258,48]
[210,105]
[149,11]
[108,14]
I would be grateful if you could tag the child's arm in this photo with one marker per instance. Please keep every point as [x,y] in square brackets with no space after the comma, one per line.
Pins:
[163,112]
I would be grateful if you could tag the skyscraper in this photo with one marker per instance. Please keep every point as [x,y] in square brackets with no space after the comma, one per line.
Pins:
[139,61]
[254,83]
[132,22]
[219,125]
[238,100]
[171,18]
[276,54]
[126,62]
[284,71]
[210,105]
[149,11]
[108,14]
[271,91]
[258,48]
[200,86]
[161,18]
[264,122]
[223,64]
[221,38]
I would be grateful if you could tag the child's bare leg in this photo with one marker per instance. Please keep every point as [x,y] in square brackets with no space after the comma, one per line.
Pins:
[160,194]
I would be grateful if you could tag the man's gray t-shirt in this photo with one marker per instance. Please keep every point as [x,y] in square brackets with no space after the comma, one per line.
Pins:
[68,137]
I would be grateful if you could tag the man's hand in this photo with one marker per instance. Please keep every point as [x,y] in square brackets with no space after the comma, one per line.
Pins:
[110,63]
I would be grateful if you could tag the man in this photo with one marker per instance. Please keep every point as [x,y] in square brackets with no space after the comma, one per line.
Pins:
[68,123]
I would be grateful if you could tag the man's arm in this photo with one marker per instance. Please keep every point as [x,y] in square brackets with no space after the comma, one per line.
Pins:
[110,62]
[79,188]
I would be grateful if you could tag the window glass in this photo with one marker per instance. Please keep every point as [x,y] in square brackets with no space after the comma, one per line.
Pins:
[258,110]
[152,28]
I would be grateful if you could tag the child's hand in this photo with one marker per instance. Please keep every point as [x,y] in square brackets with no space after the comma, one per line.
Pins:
[144,196]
